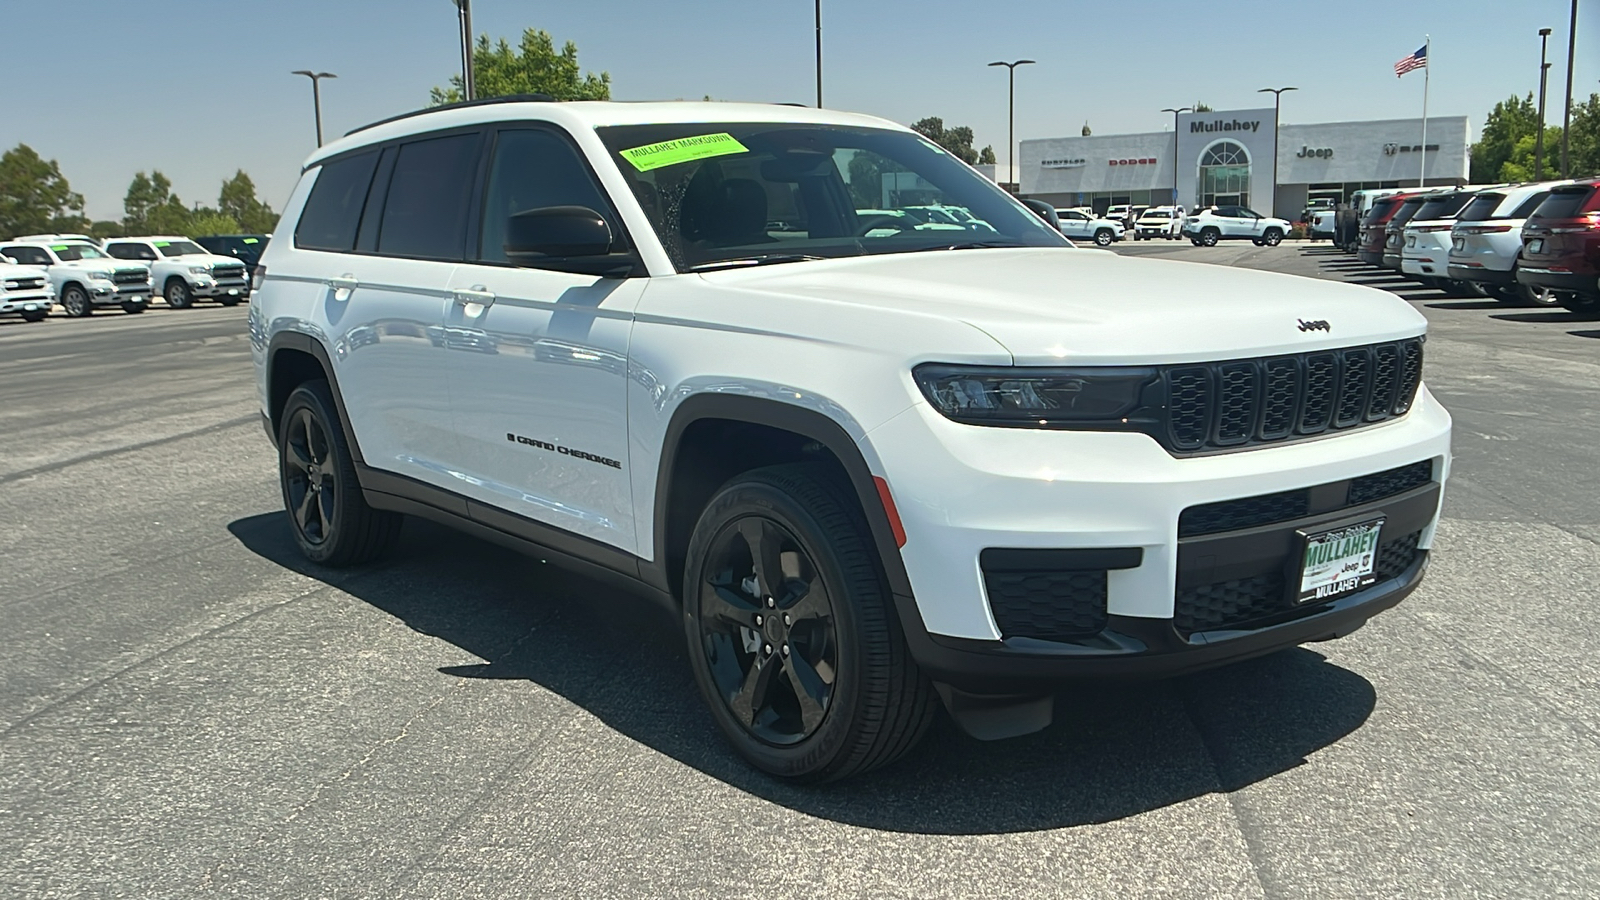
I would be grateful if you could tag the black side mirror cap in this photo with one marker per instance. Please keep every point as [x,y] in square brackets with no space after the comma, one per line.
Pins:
[560,232]
[1045,211]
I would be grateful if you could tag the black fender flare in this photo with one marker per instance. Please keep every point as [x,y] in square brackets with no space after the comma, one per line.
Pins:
[305,343]
[799,420]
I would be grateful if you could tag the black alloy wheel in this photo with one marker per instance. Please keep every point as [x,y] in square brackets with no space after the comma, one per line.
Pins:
[766,623]
[177,294]
[793,637]
[75,300]
[328,514]
[1209,237]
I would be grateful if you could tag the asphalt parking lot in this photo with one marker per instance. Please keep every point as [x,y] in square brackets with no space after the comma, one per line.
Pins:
[189,709]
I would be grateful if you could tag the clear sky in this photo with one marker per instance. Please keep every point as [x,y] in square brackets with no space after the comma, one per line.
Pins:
[199,88]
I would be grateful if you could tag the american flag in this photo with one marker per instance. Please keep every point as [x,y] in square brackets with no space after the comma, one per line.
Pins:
[1416,60]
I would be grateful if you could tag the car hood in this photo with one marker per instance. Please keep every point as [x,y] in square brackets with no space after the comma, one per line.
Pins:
[199,259]
[1057,306]
[108,265]
[10,271]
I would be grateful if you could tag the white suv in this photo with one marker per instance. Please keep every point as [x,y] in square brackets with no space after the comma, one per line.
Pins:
[870,472]
[1425,237]
[1159,222]
[84,277]
[1075,224]
[183,271]
[1486,239]
[25,291]
[1234,223]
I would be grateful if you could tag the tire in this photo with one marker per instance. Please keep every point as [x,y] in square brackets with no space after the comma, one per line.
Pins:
[1258,242]
[177,293]
[35,316]
[1209,237]
[133,309]
[75,300]
[1272,237]
[330,518]
[878,704]
[1582,304]
[1104,237]
[228,301]
[1528,295]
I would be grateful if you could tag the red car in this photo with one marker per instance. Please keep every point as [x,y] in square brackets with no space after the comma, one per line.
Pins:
[1372,227]
[1561,246]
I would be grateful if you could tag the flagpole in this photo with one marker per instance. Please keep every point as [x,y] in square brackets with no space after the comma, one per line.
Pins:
[1427,73]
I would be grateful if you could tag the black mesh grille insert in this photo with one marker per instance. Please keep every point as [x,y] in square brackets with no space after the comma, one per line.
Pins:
[1355,382]
[1048,605]
[1385,376]
[1189,407]
[1386,484]
[1240,601]
[1322,385]
[1237,399]
[1410,375]
[1231,515]
[1279,398]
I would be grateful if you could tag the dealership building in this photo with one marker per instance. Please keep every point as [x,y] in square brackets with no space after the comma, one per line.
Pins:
[1225,158]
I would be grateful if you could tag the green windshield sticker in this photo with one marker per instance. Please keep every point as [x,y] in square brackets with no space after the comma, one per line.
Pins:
[58,247]
[251,241]
[682,150]
[163,243]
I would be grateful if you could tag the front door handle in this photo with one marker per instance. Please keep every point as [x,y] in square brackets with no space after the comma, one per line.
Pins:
[345,282]
[476,294]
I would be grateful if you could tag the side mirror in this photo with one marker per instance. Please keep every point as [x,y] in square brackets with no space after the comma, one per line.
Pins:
[1045,211]
[556,232]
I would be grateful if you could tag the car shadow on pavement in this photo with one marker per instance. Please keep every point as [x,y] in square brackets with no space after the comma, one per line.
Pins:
[1548,317]
[1585,334]
[1114,750]
[1469,304]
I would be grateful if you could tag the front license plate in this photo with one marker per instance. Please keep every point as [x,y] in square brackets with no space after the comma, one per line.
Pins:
[1536,245]
[1339,561]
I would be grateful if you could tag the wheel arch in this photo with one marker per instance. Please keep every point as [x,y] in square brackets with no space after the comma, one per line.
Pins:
[698,457]
[294,358]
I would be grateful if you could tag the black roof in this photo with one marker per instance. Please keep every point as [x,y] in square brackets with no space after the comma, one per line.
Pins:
[484,101]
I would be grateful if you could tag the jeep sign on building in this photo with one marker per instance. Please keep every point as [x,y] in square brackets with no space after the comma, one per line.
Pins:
[1225,158]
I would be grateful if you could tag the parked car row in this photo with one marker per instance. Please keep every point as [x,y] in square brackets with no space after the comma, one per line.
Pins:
[1535,244]
[83,274]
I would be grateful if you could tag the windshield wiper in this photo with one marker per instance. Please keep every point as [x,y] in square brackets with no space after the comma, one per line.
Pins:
[766,259]
[975,245]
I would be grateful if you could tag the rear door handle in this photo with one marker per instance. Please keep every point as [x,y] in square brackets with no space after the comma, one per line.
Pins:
[476,294]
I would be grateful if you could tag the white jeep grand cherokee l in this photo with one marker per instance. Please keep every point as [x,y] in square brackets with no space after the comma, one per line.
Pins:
[872,468]
[183,271]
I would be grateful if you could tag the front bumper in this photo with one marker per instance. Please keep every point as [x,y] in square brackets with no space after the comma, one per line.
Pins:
[212,289]
[17,303]
[104,293]
[961,490]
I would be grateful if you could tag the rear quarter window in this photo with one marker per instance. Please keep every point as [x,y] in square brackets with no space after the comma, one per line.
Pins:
[333,211]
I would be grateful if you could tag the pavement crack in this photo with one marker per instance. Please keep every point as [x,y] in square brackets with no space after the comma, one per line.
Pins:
[129,448]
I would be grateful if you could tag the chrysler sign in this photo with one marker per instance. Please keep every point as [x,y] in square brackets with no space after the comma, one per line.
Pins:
[1063,163]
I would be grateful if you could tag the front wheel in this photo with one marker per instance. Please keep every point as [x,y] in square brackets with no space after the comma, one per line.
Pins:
[178,294]
[75,300]
[1209,237]
[793,638]
[1104,237]
[330,518]
[1272,237]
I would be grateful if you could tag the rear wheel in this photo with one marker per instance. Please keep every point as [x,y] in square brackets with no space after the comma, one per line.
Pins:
[792,635]
[75,300]
[330,518]
[1584,304]
[1209,237]
[133,308]
[228,301]
[1533,295]
[36,315]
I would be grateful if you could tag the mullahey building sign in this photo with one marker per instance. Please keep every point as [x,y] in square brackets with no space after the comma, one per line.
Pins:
[1195,127]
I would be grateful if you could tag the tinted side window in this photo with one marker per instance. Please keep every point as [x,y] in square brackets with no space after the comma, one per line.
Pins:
[426,212]
[28,256]
[121,251]
[533,169]
[1528,206]
[333,211]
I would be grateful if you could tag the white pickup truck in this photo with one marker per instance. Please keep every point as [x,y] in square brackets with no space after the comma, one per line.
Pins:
[25,291]
[85,277]
[183,271]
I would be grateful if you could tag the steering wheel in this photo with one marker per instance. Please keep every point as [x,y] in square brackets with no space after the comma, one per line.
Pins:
[898,223]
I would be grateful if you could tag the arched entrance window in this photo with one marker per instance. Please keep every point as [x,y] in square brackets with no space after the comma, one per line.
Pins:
[1224,175]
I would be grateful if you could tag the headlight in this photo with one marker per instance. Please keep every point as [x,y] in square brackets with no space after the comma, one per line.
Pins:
[99,276]
[1034,397]
[199,270]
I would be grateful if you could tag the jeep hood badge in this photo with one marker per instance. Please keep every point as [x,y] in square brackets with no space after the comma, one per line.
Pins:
[1315,325]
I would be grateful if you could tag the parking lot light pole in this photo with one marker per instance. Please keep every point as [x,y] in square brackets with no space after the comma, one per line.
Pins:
[316,95]
[1011,118]
[1538,142]
[469,86]
[1181,109]
[1566,111]
[1277,107]
[819,54]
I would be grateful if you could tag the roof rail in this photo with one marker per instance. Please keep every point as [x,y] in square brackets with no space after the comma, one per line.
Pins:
[462,104]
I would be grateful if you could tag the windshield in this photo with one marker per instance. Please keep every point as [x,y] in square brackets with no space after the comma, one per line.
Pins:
[178,248]
[752,192]
[1156,214]
[68,252]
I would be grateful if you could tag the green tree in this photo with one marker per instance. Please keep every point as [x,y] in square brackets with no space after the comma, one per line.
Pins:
[238,202]
[146,194]
[106,229]
[986,156]
[1511,120]
[205,221]
[534,67]
[35,196]
[1202,107]
[958,140]
[1520,166]
[866,180]
[1584,139]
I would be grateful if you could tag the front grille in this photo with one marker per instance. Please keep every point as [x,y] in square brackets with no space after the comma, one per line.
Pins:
[24,284]
[1239,403]
[228,273]
[1266,509]
[130,276]
[1048,605]
[1242,601]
